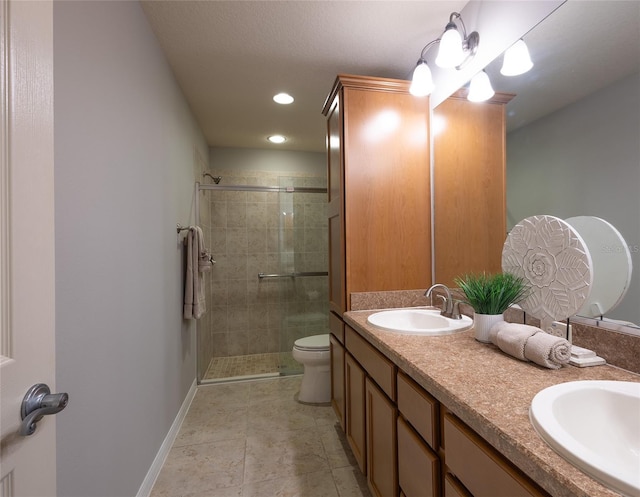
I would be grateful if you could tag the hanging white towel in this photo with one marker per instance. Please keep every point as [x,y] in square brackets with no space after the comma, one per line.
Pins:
[194,301]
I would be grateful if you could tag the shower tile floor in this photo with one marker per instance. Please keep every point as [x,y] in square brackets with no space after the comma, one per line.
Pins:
[252,365]
[252,439]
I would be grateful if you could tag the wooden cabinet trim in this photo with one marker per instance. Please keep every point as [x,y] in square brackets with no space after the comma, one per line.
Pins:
[336,351]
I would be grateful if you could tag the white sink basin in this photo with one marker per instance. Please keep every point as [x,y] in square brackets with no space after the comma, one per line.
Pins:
[594,425]
[414,321]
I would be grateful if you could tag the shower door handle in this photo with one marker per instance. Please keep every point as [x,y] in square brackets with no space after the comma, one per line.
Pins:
[37,403]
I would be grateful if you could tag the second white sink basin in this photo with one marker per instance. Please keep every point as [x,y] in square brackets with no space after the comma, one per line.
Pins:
[416,321]
[594,425]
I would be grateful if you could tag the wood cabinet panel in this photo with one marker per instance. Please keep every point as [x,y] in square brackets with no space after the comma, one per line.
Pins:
[419,408]
[480,468]
[382,462]
[470,187]
[336,351]
[378,155]
[453,488]
[418,465]
[335,209]
[355,410]
[336,326]
[387,199]
[381,369]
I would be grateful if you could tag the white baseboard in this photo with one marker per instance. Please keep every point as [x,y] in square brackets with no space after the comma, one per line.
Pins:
[161,456]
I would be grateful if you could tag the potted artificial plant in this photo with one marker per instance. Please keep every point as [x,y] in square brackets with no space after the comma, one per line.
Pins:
[490,295]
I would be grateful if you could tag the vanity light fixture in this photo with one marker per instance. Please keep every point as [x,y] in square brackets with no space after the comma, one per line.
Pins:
[456,49]
[454,52]
[516,59]
[480,88]
[277,139]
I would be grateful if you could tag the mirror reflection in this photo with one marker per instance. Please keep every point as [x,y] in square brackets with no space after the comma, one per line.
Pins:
[574,125]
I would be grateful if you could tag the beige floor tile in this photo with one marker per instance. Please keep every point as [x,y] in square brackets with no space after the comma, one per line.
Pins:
[350,482]
[201,468]
[252,439]
[316,484]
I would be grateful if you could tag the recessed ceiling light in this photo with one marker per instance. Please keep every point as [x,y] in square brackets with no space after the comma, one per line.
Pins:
[283,98]
[277,139]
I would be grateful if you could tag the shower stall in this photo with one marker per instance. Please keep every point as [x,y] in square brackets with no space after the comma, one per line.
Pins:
[268,235]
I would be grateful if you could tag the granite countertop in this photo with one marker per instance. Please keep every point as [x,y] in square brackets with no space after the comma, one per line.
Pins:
[491,392]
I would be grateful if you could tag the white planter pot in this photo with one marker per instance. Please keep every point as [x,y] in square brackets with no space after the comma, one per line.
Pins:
[482,324]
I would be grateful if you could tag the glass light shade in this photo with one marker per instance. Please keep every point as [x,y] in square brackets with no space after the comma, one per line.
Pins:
[450,53]
[516,60]
[421,82]
[480,88]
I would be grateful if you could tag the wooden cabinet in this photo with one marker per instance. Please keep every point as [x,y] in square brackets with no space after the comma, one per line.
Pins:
[382,464]
[418,465]
[481,469]
[418,440]
[371,413]
[355,410]
[336,351]
[469,179]
[378,188]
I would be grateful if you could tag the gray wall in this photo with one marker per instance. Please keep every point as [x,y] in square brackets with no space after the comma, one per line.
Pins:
[584,160]
[127,152]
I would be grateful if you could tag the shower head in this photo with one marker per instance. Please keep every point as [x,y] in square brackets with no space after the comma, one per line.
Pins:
[216,179]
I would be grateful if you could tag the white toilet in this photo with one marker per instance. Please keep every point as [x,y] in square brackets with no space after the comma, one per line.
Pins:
[313,353]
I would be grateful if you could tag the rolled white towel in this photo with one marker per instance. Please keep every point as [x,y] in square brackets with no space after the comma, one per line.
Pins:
[548,350]
[512,338]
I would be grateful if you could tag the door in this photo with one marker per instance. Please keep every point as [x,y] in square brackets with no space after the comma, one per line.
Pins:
[27,291]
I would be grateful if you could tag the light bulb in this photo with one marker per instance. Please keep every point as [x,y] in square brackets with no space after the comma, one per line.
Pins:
[421,82]
[283,98]
[277,139]
[480,88]
[516,60]
[450,53]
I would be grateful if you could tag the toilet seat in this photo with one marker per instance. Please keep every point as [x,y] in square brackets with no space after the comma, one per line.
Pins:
[313,343]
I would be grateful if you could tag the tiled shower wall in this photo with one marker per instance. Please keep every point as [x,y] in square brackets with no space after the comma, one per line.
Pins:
[263,232]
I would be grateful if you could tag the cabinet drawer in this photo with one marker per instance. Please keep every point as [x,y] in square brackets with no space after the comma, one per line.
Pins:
[336,326]
[479,467]
[381,369]
[453,488]
[418,466]
[419,408]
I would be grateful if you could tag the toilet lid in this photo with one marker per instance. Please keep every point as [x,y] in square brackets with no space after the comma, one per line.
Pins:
[315,342]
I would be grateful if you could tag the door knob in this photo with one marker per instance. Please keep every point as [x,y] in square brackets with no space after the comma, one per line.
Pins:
[37,403]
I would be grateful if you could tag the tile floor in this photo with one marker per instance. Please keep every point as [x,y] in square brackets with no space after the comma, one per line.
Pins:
[252,439]
[251,365]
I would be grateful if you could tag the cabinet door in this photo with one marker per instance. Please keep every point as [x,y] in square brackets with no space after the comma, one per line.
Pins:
[418,465]
[335,208]
[337,378]
[354,412]
[382,459]
[469,178]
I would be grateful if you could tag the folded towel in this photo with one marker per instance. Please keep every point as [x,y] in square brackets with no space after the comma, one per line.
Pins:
[512,338]
[205,262]
[548,350]
[194,303]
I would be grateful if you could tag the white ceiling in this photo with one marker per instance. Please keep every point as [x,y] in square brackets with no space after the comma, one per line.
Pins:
[231,57]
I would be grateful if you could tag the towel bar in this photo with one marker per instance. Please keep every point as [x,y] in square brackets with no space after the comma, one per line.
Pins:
[293,275]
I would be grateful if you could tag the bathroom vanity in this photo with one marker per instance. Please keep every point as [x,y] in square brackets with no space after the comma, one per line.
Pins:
[447,415]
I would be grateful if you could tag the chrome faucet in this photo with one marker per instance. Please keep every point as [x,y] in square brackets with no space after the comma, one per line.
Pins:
[450,307]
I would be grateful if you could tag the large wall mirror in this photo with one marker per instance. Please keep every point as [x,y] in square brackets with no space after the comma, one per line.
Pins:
[573,129]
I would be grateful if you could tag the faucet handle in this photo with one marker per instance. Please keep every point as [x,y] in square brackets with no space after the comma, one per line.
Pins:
[444,303]
[455,312]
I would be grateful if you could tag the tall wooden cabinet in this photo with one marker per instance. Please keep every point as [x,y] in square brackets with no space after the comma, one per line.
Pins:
[378,187]
[469,179]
